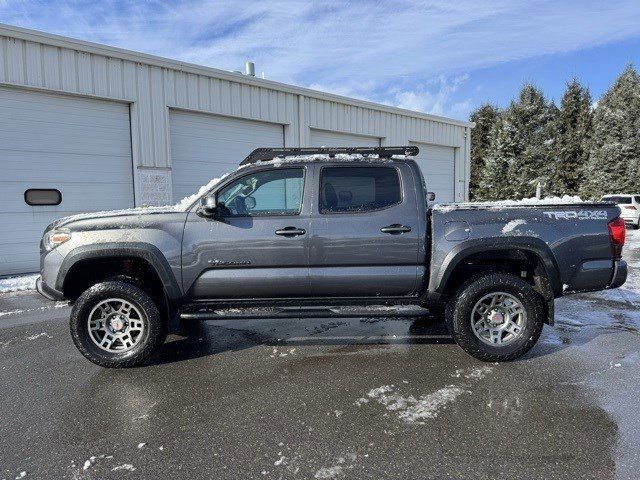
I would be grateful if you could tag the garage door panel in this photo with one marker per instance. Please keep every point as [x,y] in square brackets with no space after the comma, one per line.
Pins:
[79,146]
[207,146]
[50,167]
[80,141]
[23,116]
[43,103]
[437,164]
[74,196]
[324,138]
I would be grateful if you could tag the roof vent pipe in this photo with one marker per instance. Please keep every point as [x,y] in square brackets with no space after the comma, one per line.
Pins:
[249,69]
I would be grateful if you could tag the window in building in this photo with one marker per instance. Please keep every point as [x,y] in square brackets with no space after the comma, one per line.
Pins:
[43,196]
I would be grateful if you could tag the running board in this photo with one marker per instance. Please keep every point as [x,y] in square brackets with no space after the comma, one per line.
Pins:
[302,312]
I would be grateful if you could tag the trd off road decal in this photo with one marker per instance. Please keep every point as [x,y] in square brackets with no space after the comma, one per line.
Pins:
[579,215]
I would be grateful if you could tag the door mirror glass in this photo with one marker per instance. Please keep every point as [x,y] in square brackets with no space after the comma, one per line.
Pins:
[431,196]
[209,205]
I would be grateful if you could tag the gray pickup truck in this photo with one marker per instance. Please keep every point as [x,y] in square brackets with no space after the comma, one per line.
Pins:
[326,227]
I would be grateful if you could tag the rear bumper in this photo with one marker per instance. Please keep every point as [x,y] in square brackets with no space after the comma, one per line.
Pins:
[619,273]
[48,292]
[594,275]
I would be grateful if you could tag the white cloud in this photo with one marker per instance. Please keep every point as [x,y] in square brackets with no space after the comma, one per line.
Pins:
[433,97]
[357,48]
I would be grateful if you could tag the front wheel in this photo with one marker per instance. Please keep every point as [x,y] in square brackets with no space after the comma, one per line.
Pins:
[116,324]
[496,317]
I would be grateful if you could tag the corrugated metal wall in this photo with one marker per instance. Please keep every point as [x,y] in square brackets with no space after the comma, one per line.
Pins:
[152,86]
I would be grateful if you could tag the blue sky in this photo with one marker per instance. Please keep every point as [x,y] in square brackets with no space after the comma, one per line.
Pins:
[438,57]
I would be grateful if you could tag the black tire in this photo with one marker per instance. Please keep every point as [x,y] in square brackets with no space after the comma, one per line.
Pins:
[153,334]
[460,308]
[636,226]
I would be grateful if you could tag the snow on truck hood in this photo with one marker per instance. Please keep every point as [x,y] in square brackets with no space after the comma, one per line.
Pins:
[180,207]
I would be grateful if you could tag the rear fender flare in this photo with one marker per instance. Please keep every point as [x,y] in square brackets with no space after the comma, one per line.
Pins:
[439,279]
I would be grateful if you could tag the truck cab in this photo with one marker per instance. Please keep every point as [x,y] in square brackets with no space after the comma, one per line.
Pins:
[309,229]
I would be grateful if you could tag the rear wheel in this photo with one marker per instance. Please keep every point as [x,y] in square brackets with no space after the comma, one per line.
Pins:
[116,324]
[496,317]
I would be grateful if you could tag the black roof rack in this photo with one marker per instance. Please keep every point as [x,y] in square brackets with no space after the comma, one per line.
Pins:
[262,154]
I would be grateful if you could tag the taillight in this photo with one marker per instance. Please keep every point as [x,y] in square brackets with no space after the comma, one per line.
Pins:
[630,207]
[618,234]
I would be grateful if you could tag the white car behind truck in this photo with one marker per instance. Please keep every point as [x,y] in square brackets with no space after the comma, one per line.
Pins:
[629,207]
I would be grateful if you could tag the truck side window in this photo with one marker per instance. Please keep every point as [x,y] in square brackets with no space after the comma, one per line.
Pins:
[270,192]
[358,189]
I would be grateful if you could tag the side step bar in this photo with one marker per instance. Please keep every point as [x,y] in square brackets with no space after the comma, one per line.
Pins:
[302,312]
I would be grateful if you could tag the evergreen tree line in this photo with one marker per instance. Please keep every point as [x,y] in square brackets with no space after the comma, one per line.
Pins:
[573,149]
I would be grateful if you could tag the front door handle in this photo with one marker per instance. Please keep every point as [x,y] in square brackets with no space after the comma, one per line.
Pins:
[395,229]
[290,231]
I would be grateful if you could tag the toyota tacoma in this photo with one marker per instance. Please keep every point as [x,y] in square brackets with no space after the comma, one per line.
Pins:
[305,228]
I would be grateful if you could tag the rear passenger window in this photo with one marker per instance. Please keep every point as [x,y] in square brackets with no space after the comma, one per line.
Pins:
[358,189]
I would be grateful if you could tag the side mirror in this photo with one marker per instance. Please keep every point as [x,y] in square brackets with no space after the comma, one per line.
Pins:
[208,205]
[250,203]
[431,196]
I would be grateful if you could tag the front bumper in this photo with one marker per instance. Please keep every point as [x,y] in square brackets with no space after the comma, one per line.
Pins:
[48,292]
[619,273]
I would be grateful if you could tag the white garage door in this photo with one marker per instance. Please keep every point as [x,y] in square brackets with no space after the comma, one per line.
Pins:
[438,168]
[323,138]
[206,146]
[81,147]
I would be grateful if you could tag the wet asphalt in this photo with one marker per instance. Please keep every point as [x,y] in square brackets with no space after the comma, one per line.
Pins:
[326,398]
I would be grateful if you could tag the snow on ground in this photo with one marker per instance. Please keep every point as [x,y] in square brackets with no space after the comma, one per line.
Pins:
[18,283]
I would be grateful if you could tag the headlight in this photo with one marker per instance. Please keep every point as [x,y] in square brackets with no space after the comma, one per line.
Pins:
[56,237]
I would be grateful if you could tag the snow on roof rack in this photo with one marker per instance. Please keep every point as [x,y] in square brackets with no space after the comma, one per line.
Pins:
[261,154]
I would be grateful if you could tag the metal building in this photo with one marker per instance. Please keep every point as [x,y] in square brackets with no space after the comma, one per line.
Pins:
[89,127]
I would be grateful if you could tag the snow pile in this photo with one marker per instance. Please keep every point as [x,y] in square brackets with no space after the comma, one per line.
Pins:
[512,225]
[339,469]
[477,373]
[19,283]
[564,200]
[186,202]
[338,157]
[414,410]
[125,466]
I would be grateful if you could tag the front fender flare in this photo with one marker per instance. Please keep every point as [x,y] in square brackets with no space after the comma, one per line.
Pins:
[145,251]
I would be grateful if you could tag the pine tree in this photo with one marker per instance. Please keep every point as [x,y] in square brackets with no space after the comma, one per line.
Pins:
[572,142]
[613,165]
[485,118]
[494,182]
[535,122]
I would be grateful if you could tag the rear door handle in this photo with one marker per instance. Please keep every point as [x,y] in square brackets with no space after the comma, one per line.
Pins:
[395,229]
[290,231]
